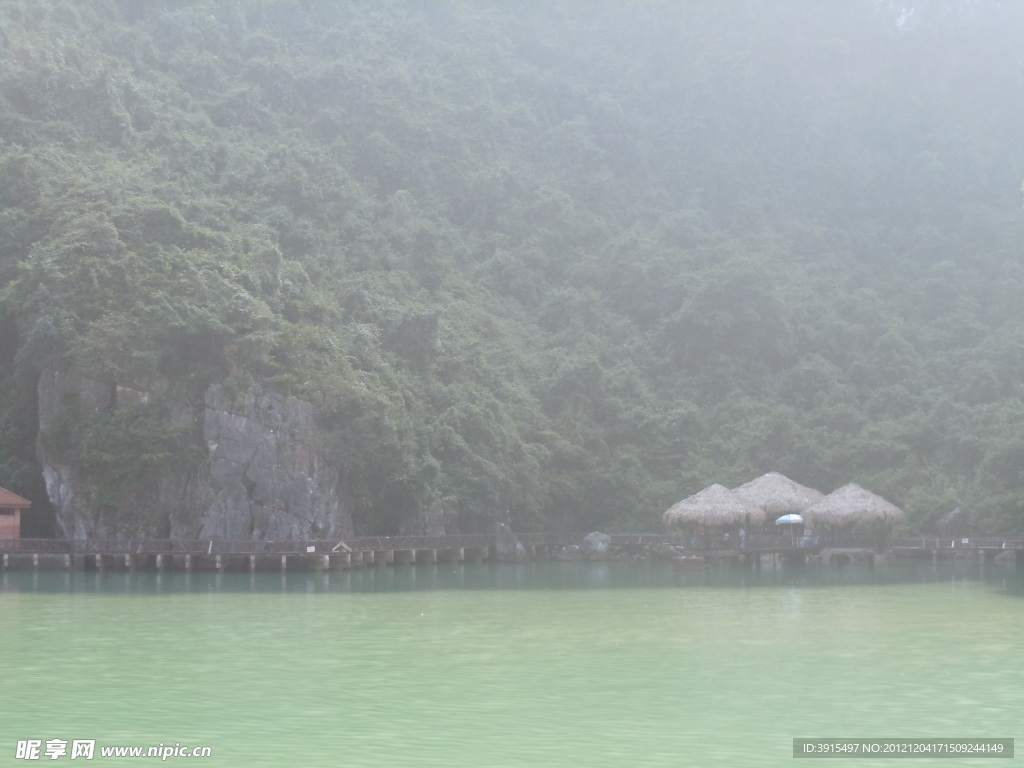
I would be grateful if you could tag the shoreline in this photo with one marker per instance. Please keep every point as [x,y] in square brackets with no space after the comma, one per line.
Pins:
[316,562]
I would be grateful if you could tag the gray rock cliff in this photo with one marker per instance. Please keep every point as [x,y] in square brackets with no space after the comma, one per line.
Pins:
[507,547]
[263,475]
[266,477]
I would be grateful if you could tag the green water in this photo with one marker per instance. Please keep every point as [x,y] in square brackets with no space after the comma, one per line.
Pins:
[565,664]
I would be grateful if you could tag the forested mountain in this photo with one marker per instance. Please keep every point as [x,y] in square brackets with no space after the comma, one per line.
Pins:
[574,260]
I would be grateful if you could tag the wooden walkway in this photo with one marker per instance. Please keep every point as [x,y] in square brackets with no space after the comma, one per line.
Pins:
[223,554]
[313,546]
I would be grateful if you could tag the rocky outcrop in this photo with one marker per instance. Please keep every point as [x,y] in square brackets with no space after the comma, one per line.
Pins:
[69,492]
[434,520]
[507,547]
[596,545]
[954,523]
[264,475]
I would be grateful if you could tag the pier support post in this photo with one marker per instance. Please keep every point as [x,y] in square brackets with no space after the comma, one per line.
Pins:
[6,562]
[219,560]
[406,556]
[159,563]
[451,555]
[188,563]
[252,563]
[35,561]
[284,563]
[69,562]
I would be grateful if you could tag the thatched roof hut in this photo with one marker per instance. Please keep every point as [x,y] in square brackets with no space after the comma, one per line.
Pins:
[852,504]
[715,505]
[777,495]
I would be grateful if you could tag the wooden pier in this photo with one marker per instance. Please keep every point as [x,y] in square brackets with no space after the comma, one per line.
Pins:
[220,555]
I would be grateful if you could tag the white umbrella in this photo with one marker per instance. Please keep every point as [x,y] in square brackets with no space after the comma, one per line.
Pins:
[789,520]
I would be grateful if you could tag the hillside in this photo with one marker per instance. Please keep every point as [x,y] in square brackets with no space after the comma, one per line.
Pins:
[570,261]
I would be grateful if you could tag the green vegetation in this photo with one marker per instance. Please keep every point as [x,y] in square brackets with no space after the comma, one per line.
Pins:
[123,451]
[575,260]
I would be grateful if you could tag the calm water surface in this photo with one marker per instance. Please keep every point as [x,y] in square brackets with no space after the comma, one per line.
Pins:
[548,664]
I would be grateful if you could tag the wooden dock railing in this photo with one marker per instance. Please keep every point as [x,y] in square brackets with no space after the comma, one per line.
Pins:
[755,542]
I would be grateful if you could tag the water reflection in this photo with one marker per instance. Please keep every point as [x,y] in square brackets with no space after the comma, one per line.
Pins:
[603,664]
[528,576]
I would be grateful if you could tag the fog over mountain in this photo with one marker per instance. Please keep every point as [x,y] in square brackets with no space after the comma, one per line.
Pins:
[299,268]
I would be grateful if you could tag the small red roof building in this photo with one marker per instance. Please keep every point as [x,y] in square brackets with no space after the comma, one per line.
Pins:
[11,505]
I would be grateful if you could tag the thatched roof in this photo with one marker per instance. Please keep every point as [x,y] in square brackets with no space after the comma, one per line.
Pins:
[852,504]
[715,505]
[777,495]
